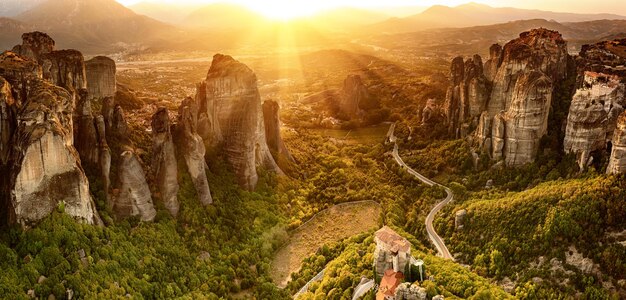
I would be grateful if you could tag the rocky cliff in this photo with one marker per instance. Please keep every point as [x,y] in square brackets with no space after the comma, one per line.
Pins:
[44,169]
[617,162]
[467,95]
[271,119]
[193,151]
[132,196]
[100,72]
[85,132]
[229,107]
[34,44]
[592,116]
[507,99]
[352,97]
[65,68]
[164,165]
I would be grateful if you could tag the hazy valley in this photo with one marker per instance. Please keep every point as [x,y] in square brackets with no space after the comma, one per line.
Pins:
[200,150]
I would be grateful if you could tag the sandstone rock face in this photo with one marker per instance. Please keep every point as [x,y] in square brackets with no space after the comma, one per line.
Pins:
[44,168]
[133,198]
[431,113]
[193,151]
[100,72]
[19,72]
[526,120]
[104,156]
[617,162]
[494,62]
[592,116]
[164,166]
[230,108]
[85,134]
[272,129]
[108,107]
[7,118]
[65,68]
[506,102]
[352,96]
[467,95]
[35,44]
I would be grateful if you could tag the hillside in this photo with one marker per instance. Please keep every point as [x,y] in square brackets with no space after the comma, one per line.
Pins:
[473,14]
[9,8]
[95,25]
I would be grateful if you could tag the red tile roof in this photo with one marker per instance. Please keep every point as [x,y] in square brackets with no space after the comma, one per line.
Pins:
[389,283]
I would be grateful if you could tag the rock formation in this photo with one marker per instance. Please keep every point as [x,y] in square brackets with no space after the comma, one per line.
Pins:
[352,96]
[43,167]
[19,72]
[164,165]
[34,44]
[7,118]
[230,108]
[133,193]
[606,57]
[508,99]
[104,156]
[592,116]
[193,151]
[617,162]
[100,72]
[467,95]
[108,107]
[272,129]
[65,68]
[85,134]
[431,114]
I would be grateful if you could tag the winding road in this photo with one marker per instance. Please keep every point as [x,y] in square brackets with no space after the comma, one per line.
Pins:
[432,234]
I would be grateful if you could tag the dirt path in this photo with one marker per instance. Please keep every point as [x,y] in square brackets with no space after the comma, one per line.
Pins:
[331,225]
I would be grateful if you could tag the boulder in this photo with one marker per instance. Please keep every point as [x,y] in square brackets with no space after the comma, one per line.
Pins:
[164,165]
[100,72]
[44,168]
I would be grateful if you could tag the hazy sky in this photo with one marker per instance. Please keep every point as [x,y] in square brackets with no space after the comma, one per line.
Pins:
[304,7]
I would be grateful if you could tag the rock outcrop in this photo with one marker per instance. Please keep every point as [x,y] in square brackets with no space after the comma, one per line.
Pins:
[352,97]
[104,156]
[229,107]
[272,129]
[34,44]
[44,168]
[164,165]
[608,57]
[431,114]
[85,133]
[467,95]
[133,193]
[100,72]
[617,162]
[508,99]
[7,118]
[593,114]
[64,68]
[193,151]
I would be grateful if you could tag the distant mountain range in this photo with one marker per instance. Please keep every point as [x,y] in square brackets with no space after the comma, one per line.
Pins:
[474,14]
[10,8]
[477,39]
[89,25]
[105,26]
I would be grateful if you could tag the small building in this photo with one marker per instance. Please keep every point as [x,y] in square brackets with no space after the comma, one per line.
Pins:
[387,288]
[392,252]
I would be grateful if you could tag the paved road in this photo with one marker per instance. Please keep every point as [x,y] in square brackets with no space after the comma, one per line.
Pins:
[432,234]
[305,288]
[362,289]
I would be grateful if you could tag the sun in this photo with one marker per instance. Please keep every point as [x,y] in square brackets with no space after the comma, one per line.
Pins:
[284,10]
